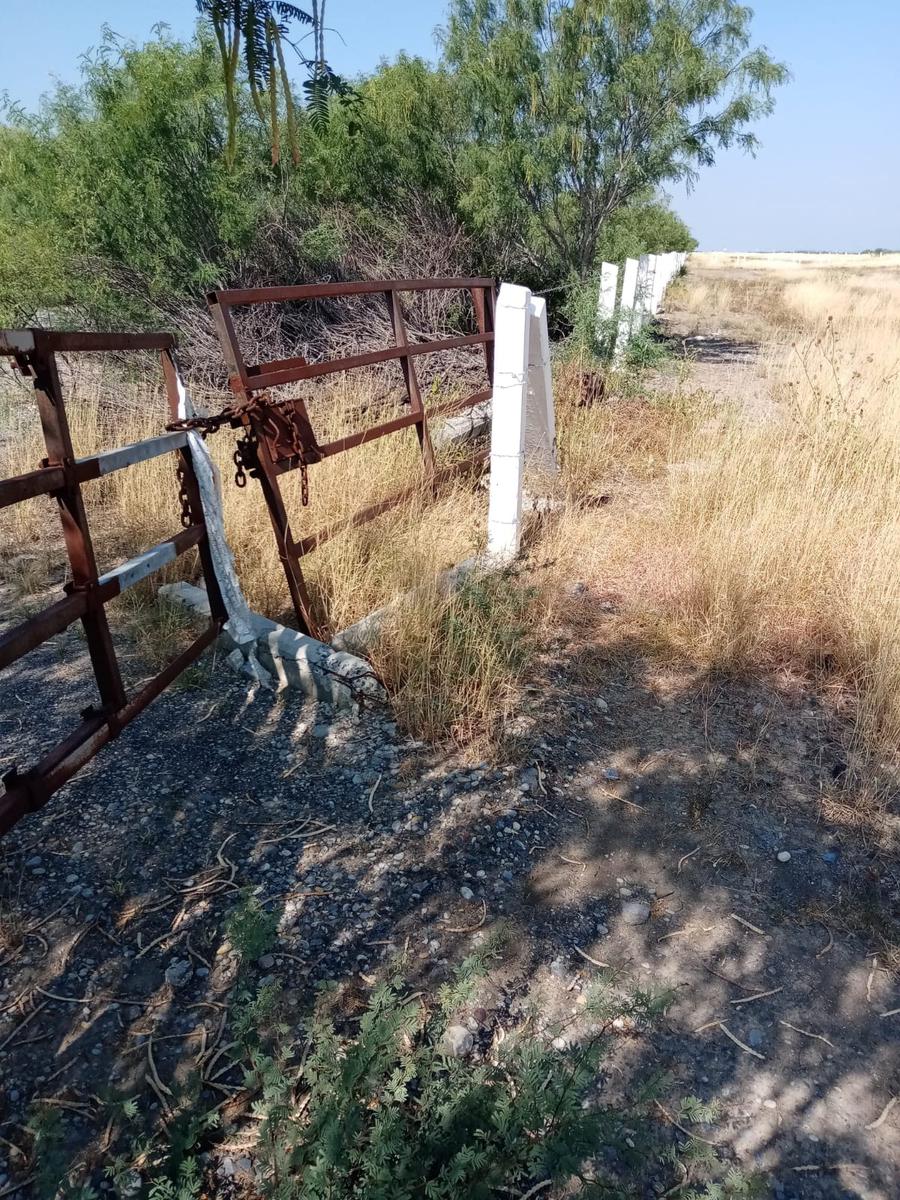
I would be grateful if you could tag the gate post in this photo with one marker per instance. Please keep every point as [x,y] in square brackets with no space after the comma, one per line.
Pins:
[511,353]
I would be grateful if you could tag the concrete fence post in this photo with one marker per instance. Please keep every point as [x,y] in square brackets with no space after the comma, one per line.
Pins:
[540,416]
[642,289]
[606,299]
[626,309]
[512,343]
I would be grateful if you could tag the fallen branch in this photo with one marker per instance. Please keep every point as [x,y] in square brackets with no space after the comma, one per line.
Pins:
[373,790]
[747,925]
[684,859]
[883,1116]
[743,1045]
[594,961]
[806,1033]
[758,996]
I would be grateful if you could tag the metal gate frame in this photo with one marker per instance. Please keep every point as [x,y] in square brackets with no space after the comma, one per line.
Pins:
[61,475]
[279,436]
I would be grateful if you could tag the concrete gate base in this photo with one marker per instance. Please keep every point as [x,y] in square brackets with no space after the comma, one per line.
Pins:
[294,660]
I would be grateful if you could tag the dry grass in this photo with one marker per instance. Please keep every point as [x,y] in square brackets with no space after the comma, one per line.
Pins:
[773,542]
[732,539]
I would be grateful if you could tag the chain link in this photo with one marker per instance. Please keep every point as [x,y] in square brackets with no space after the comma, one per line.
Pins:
[245,454]
[184,497]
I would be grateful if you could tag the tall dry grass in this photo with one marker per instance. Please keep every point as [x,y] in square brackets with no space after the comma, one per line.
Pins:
[773,540]
[737,538]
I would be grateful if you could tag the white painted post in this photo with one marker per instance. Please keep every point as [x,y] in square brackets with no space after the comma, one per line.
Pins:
[512,339]
[664,274]
[626,309]
[540,417]
[606,300]
[641,293]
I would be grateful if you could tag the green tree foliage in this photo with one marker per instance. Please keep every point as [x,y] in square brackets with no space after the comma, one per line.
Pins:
[124,180]
[576,107]
[252,34]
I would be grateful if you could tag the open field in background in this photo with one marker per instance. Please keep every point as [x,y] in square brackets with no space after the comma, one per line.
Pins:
[734,538]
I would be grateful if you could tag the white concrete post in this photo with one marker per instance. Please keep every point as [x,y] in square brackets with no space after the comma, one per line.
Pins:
[512,340]
[540,417]
[662,280]
[641,293]
[626,309]
[606,300]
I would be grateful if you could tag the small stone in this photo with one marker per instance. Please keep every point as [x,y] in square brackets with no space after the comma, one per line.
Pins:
[755,1038]
[178,972]
[558,968]
[601,930]
[610,774]
[320,731]
[783,856]
[266,962]
[635,912]
[830,856]
[457,1041]
[467,893]
[600,704]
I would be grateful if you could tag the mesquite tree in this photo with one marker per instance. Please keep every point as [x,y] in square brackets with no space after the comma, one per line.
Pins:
[577,106]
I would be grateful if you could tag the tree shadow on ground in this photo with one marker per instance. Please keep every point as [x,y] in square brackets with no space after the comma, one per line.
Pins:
[679,789]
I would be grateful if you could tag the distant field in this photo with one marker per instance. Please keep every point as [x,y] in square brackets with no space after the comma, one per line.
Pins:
[718,259]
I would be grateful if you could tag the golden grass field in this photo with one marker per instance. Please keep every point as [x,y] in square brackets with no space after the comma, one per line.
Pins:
[738,538]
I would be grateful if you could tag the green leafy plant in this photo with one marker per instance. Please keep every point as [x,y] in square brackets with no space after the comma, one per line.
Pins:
[250,927]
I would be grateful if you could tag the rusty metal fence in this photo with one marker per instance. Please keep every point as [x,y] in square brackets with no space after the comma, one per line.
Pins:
[279,435]
[61,475]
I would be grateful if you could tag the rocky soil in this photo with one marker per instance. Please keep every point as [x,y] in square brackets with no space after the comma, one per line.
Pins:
[691,833]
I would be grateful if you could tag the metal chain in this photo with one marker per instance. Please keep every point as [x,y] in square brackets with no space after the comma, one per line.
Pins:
[184,498]
[245,454]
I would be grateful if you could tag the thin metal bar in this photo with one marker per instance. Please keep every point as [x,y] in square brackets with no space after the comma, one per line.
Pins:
[192,489]
[269,379]
[129,573]
[76,534]
[455,406]
[305,545]
[34,483]
[268,477]
[323,291]
[51,341]
[30,634]
[369,435]
[411,380]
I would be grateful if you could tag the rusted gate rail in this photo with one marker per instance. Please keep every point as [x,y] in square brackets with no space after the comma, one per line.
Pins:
[61,476]
[279,436]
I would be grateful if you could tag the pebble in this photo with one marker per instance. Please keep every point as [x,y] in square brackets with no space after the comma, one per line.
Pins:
[755,1038]
[467,893]
[610,774]
[783,856]
[635,912]
[558,968]
[600,704]
[457,1041]
[178,972]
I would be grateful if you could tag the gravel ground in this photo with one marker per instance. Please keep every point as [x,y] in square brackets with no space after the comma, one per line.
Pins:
[660,798]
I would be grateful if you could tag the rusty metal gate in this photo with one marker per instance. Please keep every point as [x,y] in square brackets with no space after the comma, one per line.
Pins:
[279,436]
[61,476]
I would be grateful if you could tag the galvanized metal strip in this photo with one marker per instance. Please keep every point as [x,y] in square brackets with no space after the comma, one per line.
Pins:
[135,569]
[95,465]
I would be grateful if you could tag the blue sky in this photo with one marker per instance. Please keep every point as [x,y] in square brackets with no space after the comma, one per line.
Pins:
[828,174]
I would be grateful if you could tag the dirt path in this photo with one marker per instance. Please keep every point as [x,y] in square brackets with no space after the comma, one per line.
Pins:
[661,797]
